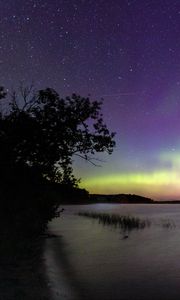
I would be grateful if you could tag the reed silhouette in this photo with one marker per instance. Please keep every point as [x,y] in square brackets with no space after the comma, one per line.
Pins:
[124,222]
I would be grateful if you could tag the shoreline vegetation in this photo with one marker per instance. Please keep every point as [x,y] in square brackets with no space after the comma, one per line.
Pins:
[40,132]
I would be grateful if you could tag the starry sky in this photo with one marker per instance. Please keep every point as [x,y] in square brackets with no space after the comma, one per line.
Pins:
[126,51]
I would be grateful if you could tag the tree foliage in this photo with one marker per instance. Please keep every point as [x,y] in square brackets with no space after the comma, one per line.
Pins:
[48,130]
[41,132]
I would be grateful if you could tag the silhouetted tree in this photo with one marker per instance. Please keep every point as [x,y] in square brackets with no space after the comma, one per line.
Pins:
[40,134]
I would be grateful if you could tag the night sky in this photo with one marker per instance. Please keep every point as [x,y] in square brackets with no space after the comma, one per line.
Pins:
[126,51]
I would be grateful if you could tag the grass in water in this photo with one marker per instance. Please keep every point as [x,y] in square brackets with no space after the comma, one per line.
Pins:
[168,224]
[124,222]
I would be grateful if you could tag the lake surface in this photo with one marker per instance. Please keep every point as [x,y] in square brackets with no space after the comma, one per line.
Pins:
[91,261]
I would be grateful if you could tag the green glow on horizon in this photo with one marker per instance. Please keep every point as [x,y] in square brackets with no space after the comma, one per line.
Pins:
[150,184]
[158,178]
[161,183]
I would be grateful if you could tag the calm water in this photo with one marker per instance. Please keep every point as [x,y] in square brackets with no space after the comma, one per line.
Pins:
[91,261]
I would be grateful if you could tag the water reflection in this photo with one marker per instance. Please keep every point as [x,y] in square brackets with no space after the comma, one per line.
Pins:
[97,263]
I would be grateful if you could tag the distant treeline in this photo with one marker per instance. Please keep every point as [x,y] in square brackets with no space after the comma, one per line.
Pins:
[127,198]
[168,202]
[120,198]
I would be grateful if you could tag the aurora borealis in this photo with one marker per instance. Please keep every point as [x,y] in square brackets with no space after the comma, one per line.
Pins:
[127,52]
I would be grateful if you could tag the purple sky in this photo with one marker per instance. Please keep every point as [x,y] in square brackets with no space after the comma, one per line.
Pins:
[127,52]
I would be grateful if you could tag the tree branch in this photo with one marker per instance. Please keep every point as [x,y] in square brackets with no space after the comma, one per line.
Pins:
[89,159]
